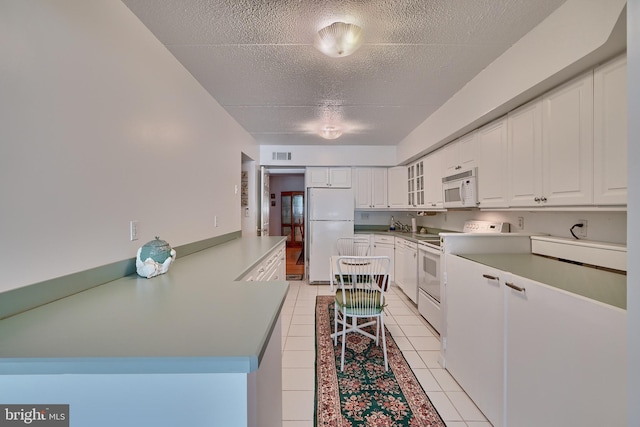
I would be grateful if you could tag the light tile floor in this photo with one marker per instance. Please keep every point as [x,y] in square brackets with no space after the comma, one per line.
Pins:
[419,345]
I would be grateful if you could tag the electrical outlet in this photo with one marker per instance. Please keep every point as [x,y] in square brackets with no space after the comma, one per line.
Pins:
[520,223]
[581,231]
[134,230]
[364,215]
[215,221]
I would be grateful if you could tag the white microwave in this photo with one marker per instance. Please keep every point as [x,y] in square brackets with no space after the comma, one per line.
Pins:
[460,190]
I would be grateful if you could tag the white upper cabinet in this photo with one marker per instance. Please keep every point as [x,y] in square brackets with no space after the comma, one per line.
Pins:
[379,188]
[461,154]
[550,148]
[328,177]
[370,187]
[610,133]
[524,154]
[397,187]
[492,165]
[433,180]
[415,184]
[567,144]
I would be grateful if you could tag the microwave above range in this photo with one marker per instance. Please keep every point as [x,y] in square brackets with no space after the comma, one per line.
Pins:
[461,190]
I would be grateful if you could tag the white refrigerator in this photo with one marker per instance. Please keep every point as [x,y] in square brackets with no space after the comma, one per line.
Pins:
[329,216]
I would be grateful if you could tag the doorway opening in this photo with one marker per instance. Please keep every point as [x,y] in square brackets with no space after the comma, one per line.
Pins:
[287,200]
[292,226]
[292,217]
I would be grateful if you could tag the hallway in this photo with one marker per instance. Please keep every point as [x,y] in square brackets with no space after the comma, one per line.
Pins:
[295,264]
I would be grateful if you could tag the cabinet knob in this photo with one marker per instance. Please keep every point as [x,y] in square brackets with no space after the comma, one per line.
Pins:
[536,199]
[543,199]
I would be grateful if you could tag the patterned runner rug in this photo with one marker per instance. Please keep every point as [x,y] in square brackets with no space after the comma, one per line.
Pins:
[364,394]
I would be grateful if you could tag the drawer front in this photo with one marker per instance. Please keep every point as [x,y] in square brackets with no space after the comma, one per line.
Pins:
[383,239]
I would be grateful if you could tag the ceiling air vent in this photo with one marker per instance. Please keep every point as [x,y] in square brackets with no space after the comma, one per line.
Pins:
[281,155]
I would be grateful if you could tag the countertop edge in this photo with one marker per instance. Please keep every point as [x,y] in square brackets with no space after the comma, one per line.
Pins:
[245,361]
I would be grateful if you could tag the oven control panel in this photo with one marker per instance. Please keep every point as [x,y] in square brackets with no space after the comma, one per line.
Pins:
[477,226]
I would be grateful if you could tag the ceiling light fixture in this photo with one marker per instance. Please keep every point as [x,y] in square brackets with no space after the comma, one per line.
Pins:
[339,39]
[330,132]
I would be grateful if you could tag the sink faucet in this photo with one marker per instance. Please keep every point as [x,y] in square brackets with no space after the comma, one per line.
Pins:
[403,228]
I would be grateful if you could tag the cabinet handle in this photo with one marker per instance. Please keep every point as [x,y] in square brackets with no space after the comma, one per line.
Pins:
[490,277]
[536,199]
[512,286]
[543,199]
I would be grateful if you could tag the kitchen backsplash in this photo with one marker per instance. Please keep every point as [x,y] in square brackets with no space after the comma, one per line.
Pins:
[601,226]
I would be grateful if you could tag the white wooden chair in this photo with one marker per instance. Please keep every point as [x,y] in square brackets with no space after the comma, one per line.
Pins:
[349,246]
[353,246]
[363,280]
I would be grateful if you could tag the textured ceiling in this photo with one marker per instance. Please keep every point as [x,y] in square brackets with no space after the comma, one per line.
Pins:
[257,59]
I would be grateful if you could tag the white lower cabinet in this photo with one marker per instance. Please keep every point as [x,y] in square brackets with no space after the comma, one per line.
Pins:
[531,355]
[406,267]
[273,268]
[411,271]
[475,333]
[565,359]
[400,254]
[384,246]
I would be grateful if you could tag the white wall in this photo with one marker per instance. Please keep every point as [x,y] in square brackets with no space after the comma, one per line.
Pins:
[633,244]
[317,155]
[100,125]
[559,47]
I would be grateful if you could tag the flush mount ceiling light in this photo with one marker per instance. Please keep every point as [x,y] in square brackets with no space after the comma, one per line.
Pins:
[339,39]
[330,132]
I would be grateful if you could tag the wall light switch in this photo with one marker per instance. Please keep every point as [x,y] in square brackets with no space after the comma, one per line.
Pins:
[134,230]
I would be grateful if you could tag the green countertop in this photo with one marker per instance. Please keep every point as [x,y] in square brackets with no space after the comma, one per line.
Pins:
[196,318]
[600,285]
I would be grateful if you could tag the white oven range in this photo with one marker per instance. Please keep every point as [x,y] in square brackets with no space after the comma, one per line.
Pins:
[429,274]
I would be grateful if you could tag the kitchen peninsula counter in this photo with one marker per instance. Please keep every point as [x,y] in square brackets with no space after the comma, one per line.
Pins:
[597,284]
[196,335]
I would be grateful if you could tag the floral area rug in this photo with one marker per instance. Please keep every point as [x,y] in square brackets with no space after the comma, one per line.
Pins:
[365,394]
